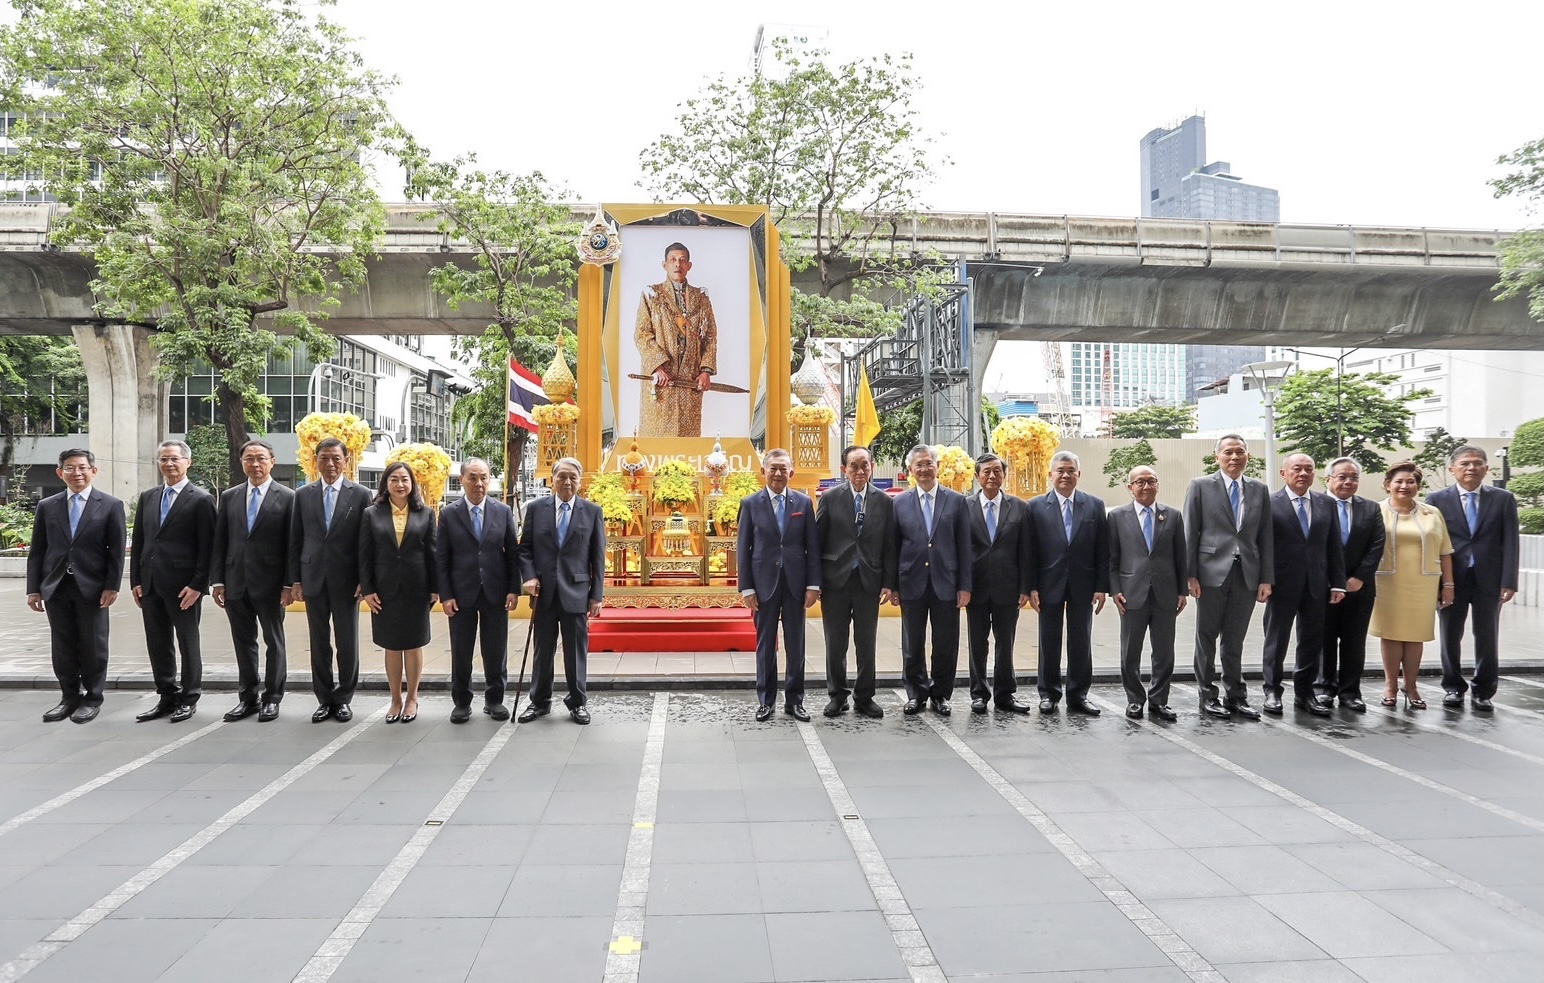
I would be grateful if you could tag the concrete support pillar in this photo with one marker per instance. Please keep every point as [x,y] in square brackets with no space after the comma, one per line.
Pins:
[127,405]
[983,342]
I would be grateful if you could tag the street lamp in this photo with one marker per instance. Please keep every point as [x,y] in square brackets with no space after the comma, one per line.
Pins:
[1268,377]
[314,387]
[1506,470]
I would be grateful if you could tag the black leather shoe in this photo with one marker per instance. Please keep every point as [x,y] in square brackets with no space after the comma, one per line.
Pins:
[581,715]
[269,712]
[1134,711]
[1451,699]
[85,714]
[1312,706]
[240,711]
[797,712]
[497,711]
[158,711]
[58,713]
[344,714]
[940,707]
[460,714]
[1216,708]
[1243,709]
[1164,713]
[1046,706]
[913,707]
[1353,703]
[183,713]
[323,712]
[764,713]
[1273,705]
[1013,706]
[1082,706]
[835,707]
[870,709]
[978,705]
[532,711]
[1481,703]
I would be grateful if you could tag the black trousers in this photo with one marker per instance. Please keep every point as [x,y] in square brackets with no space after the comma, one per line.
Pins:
[1078,616]
[990,622]
[785,607]
[842,607]
[1345,645]
[1140,622]
[166,622]
[333,614]
[1483,609]
[944,616]
[77,635]
[247,614]
[489,621]
[1282,611]
[575,629]
[1223,612]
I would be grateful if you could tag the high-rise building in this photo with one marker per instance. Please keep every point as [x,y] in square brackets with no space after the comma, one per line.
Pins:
[1105,378]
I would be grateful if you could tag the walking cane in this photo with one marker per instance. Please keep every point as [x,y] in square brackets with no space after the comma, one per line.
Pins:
[514,711]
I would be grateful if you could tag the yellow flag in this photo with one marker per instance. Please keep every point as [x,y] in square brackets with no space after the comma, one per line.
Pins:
[867,426]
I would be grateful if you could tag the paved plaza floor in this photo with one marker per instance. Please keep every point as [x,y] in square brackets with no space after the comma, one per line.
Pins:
[676,840]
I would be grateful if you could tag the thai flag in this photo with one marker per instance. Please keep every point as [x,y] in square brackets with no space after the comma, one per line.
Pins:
[525,394]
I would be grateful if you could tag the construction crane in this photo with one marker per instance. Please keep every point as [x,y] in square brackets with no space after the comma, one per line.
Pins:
[1056,373]
[1107,391]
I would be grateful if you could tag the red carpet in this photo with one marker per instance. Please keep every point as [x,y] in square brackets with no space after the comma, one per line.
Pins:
[683,630]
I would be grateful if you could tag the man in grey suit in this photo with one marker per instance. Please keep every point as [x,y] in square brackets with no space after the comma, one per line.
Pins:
[934,579]
[168,575]
[1229,552]
[1068,583]
[1310,572]
[324,573]
[477,560]
[1345,625]
[249,578]
[562,556]
[1148,579]
[1003,553]
[856,528]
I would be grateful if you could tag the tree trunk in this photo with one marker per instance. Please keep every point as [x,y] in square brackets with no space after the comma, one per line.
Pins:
[233,410]
[515,451]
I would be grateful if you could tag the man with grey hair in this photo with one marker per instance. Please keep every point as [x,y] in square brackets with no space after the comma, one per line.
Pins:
[173,540]
[1345,624]
[1148,579]
[1068,583]
[935,577]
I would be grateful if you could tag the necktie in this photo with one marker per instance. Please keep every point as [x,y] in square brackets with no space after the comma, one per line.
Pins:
[1345,521]
[991,522]
[1147,528]
[1472,511]
[75,507]
[1067,518]
[166,502]
[254,501]
[857,498]
[1302,514]
[477,521]
[778,502]
[1236,498]
[328,501]
[927,511]
[562,523]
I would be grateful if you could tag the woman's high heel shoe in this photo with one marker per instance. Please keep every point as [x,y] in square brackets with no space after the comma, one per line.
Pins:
[1390,701]
[1414,704]
[408,718]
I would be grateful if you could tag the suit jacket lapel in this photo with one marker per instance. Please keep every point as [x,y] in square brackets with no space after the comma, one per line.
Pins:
[87,510]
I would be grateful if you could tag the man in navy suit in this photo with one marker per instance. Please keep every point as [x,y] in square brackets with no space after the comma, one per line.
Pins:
[74,570]
[478,566]
[1068,583]
[1003,551]
[1310,571]
[324,573]
[1482,523]
[168,575]
[936,576]
[562,556]
[1345,624]
[778,554]
[1148,581]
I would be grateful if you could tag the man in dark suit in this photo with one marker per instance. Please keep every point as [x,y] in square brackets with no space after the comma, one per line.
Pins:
[1148,579]
[168,574]
[1002,549]
[324,573]
[478,566]
[1230,557]
[74,570]
[563,556]
[1310,573]
[1482,523]
[1068,583]
[1360,525]
[778,556]
[856,528]
[934,580]
[249,575]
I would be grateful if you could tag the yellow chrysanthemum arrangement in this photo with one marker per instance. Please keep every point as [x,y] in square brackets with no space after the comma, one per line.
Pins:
[812,416]
[675,483]
[317,427]
[430,466]
[607,492]
[1027,442]
[737,486]
[556,414]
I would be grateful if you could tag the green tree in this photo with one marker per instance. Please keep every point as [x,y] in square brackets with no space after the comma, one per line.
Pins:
[1123,459]
[1153,422]
[990,418]
[1317,414]
[211,457]
[902,429]
[1527,447]
[1433,457]
[212,158]
[39,378]
[1522,255]
[522,265]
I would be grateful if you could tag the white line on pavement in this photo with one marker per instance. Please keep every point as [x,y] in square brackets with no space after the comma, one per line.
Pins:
[625,955]
[1466,738]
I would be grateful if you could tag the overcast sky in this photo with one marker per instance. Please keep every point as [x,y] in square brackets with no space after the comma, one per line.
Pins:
[1357,111]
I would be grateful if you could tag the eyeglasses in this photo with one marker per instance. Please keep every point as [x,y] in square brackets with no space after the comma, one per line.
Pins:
[1144,482]
[78,469]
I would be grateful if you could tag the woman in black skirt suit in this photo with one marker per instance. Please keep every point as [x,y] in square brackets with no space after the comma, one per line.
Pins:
[396,577]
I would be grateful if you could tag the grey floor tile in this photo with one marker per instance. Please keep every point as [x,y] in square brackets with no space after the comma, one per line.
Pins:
[1233,930]
[450,892]
[1490,860]
[131,950]
[927,772]
[553,950]
[1289,971]
[1346,925]
[578,844]
[591,806]
[1153,874]
[1363,867]
[586,777]
[521,804]
[17,934]
[990,881]
[807,840]
[1019,939]
[60,892]
[354,846]
[786,804]
[462,845]
[699,775]
[189,891]
[700,806]
[897,802]
[200,807]
[563,891]
[701,843]
[243,845]
[42,842]
[305,892]
[704,889]
[1110,831]
[305,808]
[1284,824]
[814,885]
[1264,870]
[833,945]
[1200,827]
[1057,798]
[1434,817]
[106,806]
[160,774]
[374,807]
[256,950]
[1492,967]
[777,775]
[1459,921]
[728,948]
[434,950]
[957,836]
[137,843]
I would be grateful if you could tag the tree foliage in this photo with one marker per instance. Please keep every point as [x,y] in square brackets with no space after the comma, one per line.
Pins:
[1315,408]
[212,155]
[211,452]
[1433,456]
[902,429]
[1153,422]
[1123,459]
[1522,255]
[39,377]
[1527,447]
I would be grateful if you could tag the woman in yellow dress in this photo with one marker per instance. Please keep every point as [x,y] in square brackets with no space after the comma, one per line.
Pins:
[1404,612]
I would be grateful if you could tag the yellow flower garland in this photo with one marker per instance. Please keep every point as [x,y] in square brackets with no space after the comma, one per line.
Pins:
[1027,442]
[430,466]
[818,416]
[555,414]
[317,427]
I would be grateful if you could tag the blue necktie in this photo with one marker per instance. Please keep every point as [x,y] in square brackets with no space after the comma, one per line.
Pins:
[562,523]
[1067,518]
[1233,496]
[75,507]
[778,510]
[328,501]
[1472,513]
[1302,514]
[254,502]
[477,521]
[1345,521]
[991,522]
[1147,528]
[927,511]
[166,502]
[857,499]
